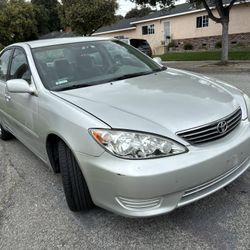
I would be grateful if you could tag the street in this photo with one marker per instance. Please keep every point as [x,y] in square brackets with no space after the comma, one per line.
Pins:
[34,213]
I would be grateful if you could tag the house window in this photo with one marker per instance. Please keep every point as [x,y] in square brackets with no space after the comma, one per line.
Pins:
[202,21]
[148,30]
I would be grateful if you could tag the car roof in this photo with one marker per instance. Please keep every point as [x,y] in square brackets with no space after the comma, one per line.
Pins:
[58,41]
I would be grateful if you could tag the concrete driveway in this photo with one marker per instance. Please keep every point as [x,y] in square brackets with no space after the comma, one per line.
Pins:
[34,214]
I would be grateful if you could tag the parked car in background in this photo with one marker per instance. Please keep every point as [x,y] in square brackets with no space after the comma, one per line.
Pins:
[126,133]
[140,44]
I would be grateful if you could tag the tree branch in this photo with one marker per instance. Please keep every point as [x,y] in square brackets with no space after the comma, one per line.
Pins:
[231,4]
[97,28]
[220,7]
[210,13]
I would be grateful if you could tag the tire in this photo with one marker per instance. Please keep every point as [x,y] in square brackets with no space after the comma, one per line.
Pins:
[75,187]
[4,134]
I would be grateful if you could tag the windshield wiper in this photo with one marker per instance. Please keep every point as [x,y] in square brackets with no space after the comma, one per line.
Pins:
[123,77]
[127,76]
[161,69]
[76,86]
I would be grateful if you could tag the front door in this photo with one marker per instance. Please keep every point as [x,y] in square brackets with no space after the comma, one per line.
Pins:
[167,34]
[4,64]
[22,108]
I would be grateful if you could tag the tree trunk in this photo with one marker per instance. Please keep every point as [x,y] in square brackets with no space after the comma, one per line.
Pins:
[225,41]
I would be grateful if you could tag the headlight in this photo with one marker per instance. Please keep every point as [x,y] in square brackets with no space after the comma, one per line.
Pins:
[136,145]
[247,101]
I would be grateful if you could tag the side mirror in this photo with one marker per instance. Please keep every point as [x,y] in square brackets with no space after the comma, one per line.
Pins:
[158,60]
[19,86]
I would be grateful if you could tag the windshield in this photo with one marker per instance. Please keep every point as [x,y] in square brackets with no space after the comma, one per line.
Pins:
[76,65]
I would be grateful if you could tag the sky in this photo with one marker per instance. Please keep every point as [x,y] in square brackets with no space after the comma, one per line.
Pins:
[126,5]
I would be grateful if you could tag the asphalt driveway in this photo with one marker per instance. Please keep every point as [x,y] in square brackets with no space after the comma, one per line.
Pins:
[34,214]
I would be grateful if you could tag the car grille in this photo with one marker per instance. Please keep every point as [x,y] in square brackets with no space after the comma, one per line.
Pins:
[210,132]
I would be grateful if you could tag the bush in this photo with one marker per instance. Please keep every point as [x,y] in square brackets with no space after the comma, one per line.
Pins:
[171,44]
[188,46]
[239,46]
[218,45]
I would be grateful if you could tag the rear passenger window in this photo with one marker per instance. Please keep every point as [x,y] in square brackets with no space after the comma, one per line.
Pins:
[4,62]
[19,66]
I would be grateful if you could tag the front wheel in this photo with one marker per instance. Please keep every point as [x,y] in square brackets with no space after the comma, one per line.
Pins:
[74,184]
[4,134]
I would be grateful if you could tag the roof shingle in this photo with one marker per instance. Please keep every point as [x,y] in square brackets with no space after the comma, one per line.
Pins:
[128,23]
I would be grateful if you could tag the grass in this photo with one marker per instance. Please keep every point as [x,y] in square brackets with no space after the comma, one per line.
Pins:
[204,55]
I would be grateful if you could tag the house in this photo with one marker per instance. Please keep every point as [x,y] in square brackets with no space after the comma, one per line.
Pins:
[181,25]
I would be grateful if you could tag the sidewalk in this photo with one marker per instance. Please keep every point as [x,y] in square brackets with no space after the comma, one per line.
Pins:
[210,66]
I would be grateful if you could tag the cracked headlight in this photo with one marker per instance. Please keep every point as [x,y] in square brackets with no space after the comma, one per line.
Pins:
[247,101]
[136,145]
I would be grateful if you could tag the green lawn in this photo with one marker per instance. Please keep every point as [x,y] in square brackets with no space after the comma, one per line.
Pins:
[204,55]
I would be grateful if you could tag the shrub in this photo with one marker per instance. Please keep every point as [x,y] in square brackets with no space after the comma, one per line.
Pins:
[218,45]
[171,44]
[239,46]
[188,46]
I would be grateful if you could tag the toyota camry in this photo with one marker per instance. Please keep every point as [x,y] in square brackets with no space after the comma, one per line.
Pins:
[126,133]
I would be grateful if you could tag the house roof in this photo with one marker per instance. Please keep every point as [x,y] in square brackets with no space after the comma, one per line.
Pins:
[123,24]
[179,9]
[127,24]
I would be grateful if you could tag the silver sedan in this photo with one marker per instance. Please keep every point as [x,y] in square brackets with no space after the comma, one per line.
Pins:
[126,133]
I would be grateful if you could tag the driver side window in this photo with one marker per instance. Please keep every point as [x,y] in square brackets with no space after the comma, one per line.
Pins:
[19,66]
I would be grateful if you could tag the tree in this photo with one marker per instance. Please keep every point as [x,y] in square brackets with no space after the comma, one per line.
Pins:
[47,15]
[85,17]
[135,12]
[222,16]
[119,18]
[42,19]
[2,3]
[17,22]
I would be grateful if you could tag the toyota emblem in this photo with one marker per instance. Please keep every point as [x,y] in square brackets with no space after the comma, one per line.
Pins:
[222,127]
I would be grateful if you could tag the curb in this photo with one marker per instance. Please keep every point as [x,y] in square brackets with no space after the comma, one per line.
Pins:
[201,67]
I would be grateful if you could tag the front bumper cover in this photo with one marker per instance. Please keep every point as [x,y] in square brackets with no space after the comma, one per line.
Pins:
[156,186]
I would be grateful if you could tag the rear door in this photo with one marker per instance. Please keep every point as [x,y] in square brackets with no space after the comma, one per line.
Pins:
[4,65]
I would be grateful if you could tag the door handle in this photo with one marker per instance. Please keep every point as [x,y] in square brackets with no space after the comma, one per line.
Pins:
[7,97]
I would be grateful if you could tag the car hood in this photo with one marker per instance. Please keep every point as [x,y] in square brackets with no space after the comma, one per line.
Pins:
[172,99]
